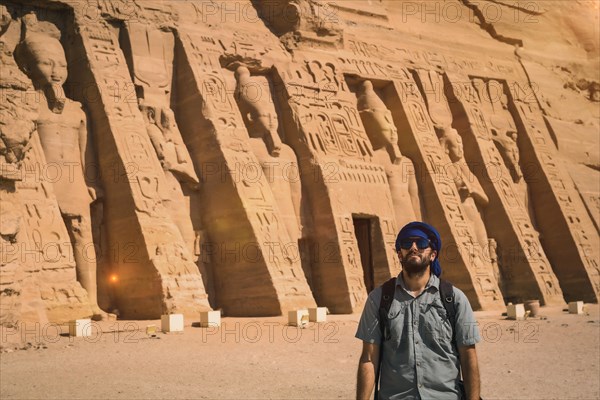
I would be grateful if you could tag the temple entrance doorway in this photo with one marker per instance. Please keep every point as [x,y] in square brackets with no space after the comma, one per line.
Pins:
[362,230]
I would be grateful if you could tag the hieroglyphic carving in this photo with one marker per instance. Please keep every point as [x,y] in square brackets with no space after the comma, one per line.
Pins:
[44,245]
[18,101]
[473,197]
[181,288]
[453,219]
[253,96]
[382,132]
[564,208]
[388,228]
[493,99]
[152,68]
[523,260]
[331,122]
[258,217]
[16,127]
[347,187]
[351,257]
[62,131]
[365,52]
[257,50]
[327,129]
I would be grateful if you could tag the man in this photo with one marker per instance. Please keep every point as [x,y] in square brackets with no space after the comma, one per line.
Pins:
[419,358]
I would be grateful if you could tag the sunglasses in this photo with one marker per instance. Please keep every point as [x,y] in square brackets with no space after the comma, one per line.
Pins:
[421,243]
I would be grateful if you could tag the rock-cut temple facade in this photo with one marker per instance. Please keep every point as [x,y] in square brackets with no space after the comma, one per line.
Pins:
[260,156]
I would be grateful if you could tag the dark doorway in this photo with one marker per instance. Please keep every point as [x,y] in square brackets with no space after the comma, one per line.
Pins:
[362,229]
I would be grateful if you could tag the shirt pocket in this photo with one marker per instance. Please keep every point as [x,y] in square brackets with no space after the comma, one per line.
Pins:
[397,320]
[436,323]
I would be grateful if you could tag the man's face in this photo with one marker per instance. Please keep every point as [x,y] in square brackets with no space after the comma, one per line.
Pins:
[416,259]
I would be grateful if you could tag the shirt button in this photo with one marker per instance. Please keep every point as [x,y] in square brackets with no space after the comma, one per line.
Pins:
[418,364]
[420,385]
[417,342]
[415,323]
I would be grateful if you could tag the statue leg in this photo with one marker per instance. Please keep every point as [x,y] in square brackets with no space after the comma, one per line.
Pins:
[479,228]
[80,230]
[401,199]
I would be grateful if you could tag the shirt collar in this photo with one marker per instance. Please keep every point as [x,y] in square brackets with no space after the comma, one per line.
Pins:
[433,281]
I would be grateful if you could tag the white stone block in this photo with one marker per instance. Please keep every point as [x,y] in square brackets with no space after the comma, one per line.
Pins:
[515,311]
[210,318]
[151,330]
[318,314]
[576,307]
[298,318]
[80,327]
[171,323]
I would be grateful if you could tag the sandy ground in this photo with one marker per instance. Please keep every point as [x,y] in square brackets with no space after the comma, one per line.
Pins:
[553,358]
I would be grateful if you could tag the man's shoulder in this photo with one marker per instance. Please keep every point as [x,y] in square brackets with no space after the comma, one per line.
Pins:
[455,290]
[375,295]
[461,301]
[459,295]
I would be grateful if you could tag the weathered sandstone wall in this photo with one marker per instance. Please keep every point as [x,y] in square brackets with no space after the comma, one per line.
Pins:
[259,156]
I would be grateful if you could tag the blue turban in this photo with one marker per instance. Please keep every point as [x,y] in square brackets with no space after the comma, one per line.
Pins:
[425,231]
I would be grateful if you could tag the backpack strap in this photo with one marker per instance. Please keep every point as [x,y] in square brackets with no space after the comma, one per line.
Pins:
[387,297]
[447,296]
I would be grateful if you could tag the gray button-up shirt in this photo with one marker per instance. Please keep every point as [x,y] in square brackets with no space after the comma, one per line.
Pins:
[419,360]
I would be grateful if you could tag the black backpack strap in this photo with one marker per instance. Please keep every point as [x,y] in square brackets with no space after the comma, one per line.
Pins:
[387,296]
[447,296]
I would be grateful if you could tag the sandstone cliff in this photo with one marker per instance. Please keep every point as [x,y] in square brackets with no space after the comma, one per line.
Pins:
[259,156]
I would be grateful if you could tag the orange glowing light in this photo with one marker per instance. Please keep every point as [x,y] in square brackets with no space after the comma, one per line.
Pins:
[113,278]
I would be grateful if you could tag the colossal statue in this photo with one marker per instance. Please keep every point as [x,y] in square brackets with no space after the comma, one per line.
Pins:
[504,134]
[149,53]
[175,160]
[472,195]
[63,134]
[277,159]
[400,171]
[359,109]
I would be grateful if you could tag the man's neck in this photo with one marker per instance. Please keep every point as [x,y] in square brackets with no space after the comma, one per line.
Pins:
[416,283]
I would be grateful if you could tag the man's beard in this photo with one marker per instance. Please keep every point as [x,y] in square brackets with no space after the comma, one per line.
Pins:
[414,266]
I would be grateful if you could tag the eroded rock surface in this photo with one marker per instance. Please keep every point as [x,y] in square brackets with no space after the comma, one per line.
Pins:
[260,156]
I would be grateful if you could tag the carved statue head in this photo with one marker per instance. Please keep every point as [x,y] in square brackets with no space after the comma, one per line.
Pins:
[149,114]
[452,144]
[5,18]
[160,116]
[43,58]
[167,119]
[257,110]
[504,101]
[377,119]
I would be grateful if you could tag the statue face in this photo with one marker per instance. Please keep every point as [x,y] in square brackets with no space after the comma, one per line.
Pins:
[268,121]
[168,119]
[268,124]
[389,132]
[149,114]
[504,101]
[380,127]
[454,145]
[48,65]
